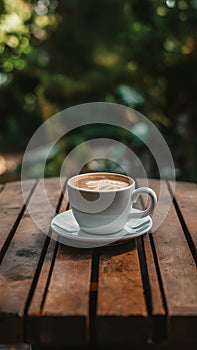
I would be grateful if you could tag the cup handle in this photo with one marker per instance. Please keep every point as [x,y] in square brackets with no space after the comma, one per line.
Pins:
[136,193]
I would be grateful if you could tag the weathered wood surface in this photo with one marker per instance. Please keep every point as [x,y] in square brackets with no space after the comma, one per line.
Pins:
[61,297]
[158,328]
[19,265]
[121,309]
[186,202]
[132,293]
[11,207]
[178,273]
[39,294]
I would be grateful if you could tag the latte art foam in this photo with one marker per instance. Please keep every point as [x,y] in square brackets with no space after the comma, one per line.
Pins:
[102,184]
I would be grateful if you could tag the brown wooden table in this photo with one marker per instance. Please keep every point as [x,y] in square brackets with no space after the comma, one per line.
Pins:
[143,292]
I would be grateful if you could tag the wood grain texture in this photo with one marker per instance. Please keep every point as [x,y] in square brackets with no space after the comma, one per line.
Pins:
[157,302]
[11,205]
[67,297]
[158,328]
[54,281]
[69,285]
[61,297]
[185,196]
[121,307]
[38,298]
[20,262]
[177,268]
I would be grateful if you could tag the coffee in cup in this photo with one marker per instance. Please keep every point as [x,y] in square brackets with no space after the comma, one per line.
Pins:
[100,182]
[101,202]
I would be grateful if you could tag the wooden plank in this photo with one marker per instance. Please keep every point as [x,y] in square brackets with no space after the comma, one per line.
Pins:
[61,297]
[157,302]
[121,308]
[33,329]
[67,298]
[158,321]
[178,272]
[37,300]
[11,205]
[19,265]
[61,300]
[158,313]
[185,196]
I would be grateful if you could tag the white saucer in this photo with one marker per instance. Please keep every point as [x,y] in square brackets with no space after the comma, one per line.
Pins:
[66,230]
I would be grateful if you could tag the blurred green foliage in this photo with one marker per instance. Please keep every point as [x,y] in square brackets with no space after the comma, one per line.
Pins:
[55,54]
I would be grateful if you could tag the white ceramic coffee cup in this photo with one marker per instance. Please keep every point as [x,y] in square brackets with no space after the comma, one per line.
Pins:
[106,211]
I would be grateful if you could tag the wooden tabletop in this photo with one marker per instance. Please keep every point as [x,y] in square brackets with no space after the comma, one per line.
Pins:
[141,292]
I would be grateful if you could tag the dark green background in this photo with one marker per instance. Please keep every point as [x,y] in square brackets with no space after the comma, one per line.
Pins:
[141,54]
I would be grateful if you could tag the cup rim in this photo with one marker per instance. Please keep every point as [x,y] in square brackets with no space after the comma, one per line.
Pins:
[103,191]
